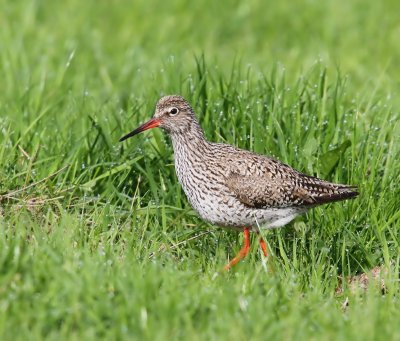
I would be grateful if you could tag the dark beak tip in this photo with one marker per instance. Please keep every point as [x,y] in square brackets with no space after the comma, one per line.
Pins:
[148,125]
[125,137]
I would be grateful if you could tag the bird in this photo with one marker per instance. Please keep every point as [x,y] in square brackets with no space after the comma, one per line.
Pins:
[232,187]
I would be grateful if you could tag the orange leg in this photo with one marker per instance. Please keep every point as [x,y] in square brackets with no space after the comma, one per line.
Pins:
[243,252]
[263,246]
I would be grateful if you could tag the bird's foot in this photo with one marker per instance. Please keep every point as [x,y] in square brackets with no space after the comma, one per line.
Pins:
[263,246]
[243,251]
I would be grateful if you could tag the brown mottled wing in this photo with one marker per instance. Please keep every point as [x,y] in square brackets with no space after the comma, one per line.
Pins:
[273,184]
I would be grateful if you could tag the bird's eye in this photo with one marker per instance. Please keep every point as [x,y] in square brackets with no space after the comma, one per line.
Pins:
[173,111]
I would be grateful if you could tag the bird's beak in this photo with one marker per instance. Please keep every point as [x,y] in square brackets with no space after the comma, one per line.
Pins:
[154,122]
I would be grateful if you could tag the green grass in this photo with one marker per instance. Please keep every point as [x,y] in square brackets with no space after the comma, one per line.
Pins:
[97,239]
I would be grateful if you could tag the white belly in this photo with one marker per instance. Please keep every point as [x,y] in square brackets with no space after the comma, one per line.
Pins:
[229,212]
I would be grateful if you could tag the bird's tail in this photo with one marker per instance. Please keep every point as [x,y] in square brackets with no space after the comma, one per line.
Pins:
[337,193]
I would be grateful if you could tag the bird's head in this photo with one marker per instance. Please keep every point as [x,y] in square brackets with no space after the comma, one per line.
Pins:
[173,114]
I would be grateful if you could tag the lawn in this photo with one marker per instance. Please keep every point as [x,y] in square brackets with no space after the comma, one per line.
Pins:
[97,239]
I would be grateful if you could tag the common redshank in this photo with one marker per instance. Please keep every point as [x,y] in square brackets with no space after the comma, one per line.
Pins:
[232,187]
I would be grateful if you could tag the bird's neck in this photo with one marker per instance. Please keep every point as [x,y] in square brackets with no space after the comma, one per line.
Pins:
[191,140]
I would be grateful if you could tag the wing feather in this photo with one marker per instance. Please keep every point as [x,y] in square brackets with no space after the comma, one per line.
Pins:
[270,184]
